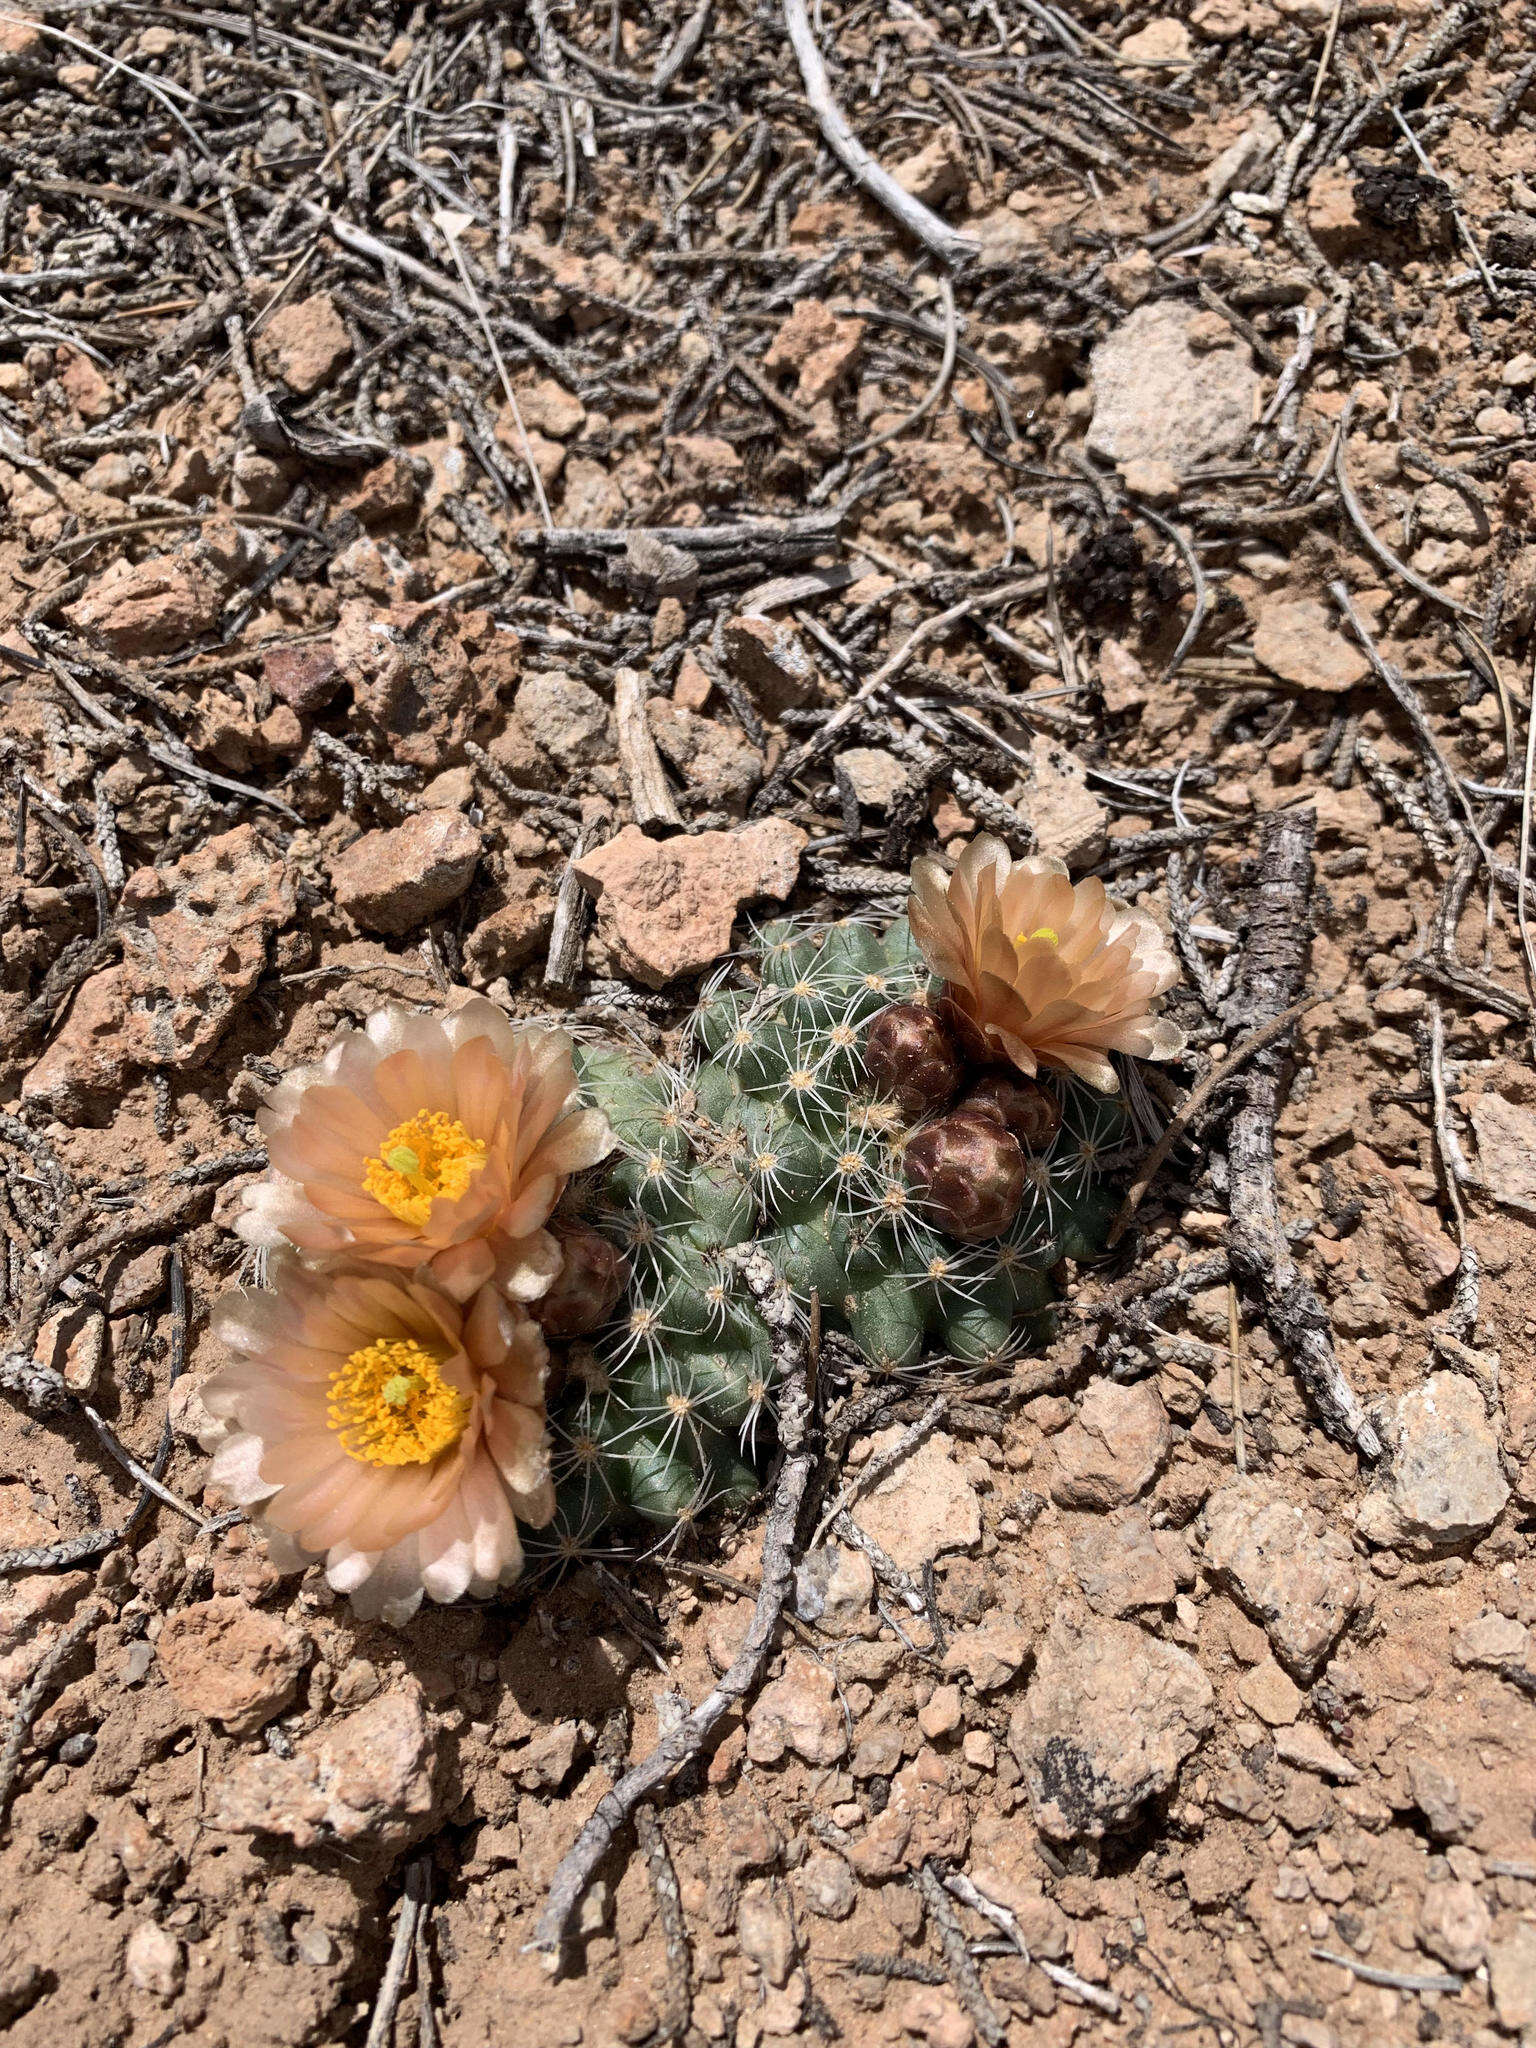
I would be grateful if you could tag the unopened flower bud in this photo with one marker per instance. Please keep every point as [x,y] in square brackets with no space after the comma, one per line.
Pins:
[911,1059]
[585,1292]
[968,1174]
[1030,1111]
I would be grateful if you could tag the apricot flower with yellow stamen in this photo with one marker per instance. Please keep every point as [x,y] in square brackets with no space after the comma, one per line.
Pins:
[428,1142]
[1039,970]
[371,1420]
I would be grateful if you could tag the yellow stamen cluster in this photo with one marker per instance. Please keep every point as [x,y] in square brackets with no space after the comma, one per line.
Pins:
[390,1405]
[431,1158]
[1040,932]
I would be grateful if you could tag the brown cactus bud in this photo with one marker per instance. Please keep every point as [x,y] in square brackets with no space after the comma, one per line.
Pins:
[1030,1111]
[910,1058]
[585,1292]
[968,1174]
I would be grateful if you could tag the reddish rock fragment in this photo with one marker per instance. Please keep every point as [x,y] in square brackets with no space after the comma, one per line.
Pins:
[392,881]
[666,906]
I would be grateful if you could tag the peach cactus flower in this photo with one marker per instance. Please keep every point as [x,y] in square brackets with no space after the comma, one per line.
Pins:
[428,1142]
[1040,970]
[371,1420]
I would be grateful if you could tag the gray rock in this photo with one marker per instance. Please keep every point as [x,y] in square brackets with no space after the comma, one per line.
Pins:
[569,721]
[1438,1797]
[709,755]
[1445,513]
[1155,396]
[1109,1717]
[827,1885]
[1293,1571]
[1444,1484]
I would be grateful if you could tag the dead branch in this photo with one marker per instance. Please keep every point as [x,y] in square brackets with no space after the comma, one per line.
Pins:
[1274,967]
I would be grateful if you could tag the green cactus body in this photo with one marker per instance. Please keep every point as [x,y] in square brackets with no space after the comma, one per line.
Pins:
[769,1134]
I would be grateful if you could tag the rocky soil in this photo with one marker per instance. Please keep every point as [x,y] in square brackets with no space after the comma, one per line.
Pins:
[490,503]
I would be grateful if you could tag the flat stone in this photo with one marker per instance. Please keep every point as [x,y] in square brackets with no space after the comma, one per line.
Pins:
[874,775]
[659,573]
[569,721]
[820,345]
[1290,1567]
[770,658]
[1506,1146]
[151,607]
[230,1662]
[369,1778]
[304,344]
[712,757]
[665,907]
[1296,639]
[1110,1715]
[1118,1563]
[306,677]
[1490,1642]
[1068,819]
[990,1656]
[1155,397]
[1163,41]
[1114,1448]
[205,926]
[923,1508]
[1512,1977]
[1444,512]
[1267,1692]
[1310,1750]
[798,1712]
[1454,1924]
[1444,1484]
[399,878]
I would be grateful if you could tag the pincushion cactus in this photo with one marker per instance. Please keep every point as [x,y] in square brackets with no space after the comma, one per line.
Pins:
[833,1110]
[806,1117]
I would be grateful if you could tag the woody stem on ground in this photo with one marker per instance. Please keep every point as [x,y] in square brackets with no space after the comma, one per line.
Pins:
[1271,981]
